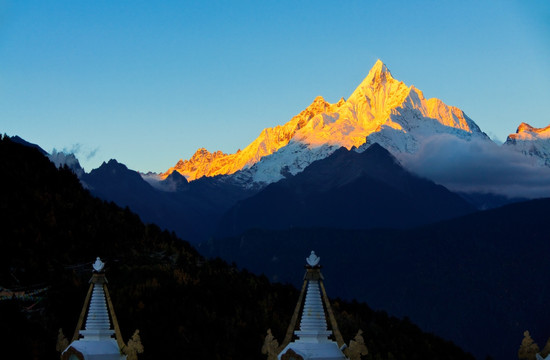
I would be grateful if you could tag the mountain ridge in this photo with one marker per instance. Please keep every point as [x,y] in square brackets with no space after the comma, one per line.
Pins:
[205,163]
[189,209]
[378,104]
[532,142]
[347,190]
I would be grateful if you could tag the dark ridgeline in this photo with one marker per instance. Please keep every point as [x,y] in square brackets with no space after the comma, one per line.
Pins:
[347,190]
[359,191]
[183,304]
[189,209]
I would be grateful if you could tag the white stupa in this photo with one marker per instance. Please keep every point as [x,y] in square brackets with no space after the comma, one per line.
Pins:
[314,339]
[100,337]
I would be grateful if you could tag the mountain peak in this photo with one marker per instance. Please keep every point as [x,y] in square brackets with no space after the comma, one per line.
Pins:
[381,108]
[528,132]
[531,141]
[112,165]
[379,77]
[175,181]
[378,73]
[524,127]
[379,66]
[111,162]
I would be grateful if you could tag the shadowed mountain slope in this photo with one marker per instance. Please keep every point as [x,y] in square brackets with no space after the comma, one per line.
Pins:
[348,190]
[189,209]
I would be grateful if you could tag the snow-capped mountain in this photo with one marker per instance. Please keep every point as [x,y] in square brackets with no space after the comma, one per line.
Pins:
[205,163]
[381,110]
[531,141]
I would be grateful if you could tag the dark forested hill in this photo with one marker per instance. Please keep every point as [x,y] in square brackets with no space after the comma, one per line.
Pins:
[183,305]
[347,190]
[480,280]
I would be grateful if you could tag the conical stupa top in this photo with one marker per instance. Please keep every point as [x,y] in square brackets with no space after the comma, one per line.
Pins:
[314,338]
[95,339]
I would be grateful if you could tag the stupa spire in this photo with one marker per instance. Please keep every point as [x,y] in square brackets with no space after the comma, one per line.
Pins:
[314,339]
[97,334]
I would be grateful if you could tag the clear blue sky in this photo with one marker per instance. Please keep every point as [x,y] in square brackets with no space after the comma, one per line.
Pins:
[148,82]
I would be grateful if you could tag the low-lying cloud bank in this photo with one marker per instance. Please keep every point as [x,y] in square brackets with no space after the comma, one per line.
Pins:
[478,166]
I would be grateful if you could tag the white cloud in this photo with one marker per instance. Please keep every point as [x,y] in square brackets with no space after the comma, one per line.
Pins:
[478,166]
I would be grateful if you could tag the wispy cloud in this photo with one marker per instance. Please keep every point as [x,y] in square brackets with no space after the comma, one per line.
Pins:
[91,154]
[79,151]
[74,149]
[478,166]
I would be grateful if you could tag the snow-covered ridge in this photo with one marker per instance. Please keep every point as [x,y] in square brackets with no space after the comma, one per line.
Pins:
[205,163]
[528,132]
[381,109]
[531,141]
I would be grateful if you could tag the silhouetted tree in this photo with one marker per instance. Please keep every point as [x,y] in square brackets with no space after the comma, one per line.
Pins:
[528,349]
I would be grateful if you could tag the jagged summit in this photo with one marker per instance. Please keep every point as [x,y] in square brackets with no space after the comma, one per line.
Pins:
[378,73]
[531,141]
[379,66]
[380,110]
[200,163]
[528,132]
[270,140]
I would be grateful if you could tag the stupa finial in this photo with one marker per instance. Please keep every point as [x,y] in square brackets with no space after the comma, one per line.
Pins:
[312,259]
[98,265]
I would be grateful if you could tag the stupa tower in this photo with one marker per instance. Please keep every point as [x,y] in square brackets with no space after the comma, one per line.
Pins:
[99,336]
[313,340]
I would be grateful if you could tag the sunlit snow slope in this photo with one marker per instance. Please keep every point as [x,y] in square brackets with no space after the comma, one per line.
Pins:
[381,109]
[531,141]
[205,163]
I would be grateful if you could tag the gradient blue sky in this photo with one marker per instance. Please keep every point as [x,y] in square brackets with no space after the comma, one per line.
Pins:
[147,83]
